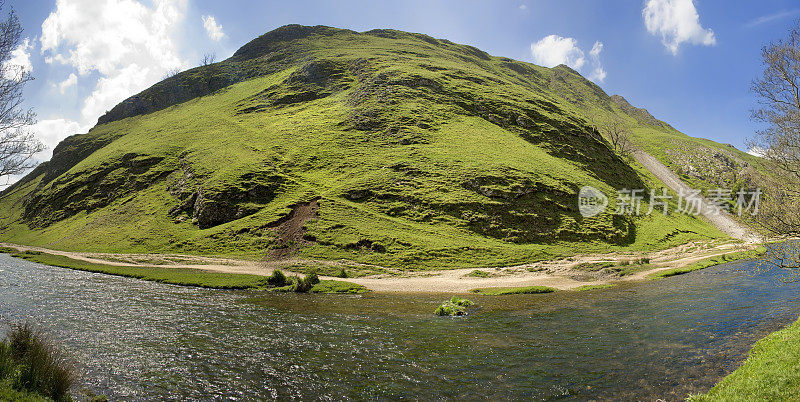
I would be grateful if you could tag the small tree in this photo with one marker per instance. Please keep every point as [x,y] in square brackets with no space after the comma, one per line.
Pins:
[208,58]
[616,131]
[17,144]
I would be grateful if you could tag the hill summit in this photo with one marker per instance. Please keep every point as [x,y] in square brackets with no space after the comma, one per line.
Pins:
[382,147]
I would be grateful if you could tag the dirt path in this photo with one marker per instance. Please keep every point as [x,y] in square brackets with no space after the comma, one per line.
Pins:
[559,274]
[717,217]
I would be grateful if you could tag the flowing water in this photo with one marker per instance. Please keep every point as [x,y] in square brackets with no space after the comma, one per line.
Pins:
[141,340]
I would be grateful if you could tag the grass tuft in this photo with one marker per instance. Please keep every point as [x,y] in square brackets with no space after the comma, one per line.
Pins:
[513,291]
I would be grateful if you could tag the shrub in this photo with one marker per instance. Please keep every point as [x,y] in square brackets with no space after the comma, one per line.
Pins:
[342,273]
[305,284]
[42,368]
[277,278]
[449,309]
[458,301]
[312,278]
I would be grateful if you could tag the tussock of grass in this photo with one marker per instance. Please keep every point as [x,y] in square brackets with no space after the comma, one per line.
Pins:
[770,373]
[513,290]
[479,274]
[31,366]
[456,306]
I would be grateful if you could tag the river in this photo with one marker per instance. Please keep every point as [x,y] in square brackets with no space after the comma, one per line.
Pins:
[136,340]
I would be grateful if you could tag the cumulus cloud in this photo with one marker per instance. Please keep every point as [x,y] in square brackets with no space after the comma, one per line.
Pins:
[70,82]
[52,131]
[553,50]
[598,73]
[213,30]
[20,61]
[677,22]
[127,43]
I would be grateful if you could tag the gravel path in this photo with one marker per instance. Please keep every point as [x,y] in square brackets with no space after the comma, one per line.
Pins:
[719,218]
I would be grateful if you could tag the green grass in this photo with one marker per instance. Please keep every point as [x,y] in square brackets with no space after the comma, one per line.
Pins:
[709,262]
[593,287]
[770,372]
[513,290]
[329,286]
[434,155]
[173,276]
[8,393]
[181,276]
[479,274]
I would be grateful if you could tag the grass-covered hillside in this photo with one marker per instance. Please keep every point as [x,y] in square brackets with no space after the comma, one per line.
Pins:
[380,147]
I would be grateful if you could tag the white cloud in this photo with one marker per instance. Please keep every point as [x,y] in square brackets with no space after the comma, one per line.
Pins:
[772,17]
[213,30]
[553,50]
[20,61]
[127,43]
[523,7]
[598,73]
[52,131]
[677,22]
[71,81]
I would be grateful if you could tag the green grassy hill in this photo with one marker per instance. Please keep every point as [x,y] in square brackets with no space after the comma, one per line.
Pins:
[382,147]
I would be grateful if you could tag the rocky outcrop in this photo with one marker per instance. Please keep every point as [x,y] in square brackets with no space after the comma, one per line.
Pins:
[640,114]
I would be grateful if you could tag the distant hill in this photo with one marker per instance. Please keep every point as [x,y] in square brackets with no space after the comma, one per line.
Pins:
[381,147]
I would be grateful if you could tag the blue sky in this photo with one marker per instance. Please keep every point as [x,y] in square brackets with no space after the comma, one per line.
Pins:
[87,55]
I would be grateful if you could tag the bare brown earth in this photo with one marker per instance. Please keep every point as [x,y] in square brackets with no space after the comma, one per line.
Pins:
[559,274]
[289,230]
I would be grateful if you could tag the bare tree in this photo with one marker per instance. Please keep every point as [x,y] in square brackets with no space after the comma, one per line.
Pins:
[209,58]
[616,131]
[17,144]
[171,73]
[778,91]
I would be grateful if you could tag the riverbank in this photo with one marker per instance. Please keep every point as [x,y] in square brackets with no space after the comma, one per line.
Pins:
[573,273]
[769,373]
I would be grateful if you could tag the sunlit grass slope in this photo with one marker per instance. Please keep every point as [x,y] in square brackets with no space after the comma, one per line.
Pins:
[422,154]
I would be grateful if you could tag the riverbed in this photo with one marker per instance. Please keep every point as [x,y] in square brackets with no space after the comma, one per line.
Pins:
[136,340]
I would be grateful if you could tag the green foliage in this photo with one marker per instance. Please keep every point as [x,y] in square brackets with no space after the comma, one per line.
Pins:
[458,301]
[342,273]
[277,279]
[479,274]
[513,290]
[456,306]
[769,373]
[31,364]
[305,284]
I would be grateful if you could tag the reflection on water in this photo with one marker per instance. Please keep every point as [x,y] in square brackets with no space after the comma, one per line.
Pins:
[142,340]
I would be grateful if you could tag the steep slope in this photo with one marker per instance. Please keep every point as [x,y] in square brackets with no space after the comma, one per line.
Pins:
[382,147]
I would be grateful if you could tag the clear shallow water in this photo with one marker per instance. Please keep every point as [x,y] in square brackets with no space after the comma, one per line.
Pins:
[140,340]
